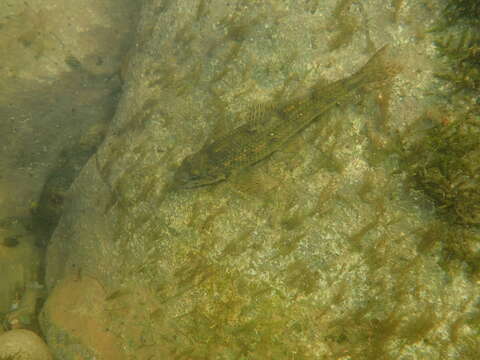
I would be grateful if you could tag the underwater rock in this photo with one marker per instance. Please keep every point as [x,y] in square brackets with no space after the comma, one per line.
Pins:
[58,79]
[74,320]
[312,253]
[19,266]
[23,345]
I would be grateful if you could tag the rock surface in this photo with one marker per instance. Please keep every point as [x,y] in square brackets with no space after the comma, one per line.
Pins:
[23,345]
[79,311]
[19,266]
[58,78]
[315,253]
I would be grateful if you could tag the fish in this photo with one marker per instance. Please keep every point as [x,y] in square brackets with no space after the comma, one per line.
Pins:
[270,126]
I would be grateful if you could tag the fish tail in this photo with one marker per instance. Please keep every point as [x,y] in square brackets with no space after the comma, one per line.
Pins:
[376,60]
[377,68]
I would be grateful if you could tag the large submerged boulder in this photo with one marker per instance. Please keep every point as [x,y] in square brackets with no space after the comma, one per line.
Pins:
[314,253]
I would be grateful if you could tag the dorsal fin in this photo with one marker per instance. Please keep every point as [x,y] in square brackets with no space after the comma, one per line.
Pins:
[261,115]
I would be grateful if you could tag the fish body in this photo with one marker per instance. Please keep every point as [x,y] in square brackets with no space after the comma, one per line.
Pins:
[268,128]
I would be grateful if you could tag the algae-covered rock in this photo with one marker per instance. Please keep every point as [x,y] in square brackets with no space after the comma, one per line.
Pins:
[314,253]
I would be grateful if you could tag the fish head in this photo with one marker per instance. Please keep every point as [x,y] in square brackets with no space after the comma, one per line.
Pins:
[195,171]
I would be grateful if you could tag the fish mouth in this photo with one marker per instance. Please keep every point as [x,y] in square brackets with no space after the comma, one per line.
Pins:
[184,180]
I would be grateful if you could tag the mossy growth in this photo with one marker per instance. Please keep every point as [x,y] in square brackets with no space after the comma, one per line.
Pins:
[461,48]
[345,25]
[445,162]
[458,40]
[445,165]
[457,247]
[461,10]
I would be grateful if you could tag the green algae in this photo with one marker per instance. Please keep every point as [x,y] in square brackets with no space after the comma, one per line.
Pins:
[445,165]
[458,41]
[443,161]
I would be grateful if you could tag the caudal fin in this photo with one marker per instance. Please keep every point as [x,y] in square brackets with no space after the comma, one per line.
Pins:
[378,67]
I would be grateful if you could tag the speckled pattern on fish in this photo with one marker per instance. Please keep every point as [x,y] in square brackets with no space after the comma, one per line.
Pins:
[269,127]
